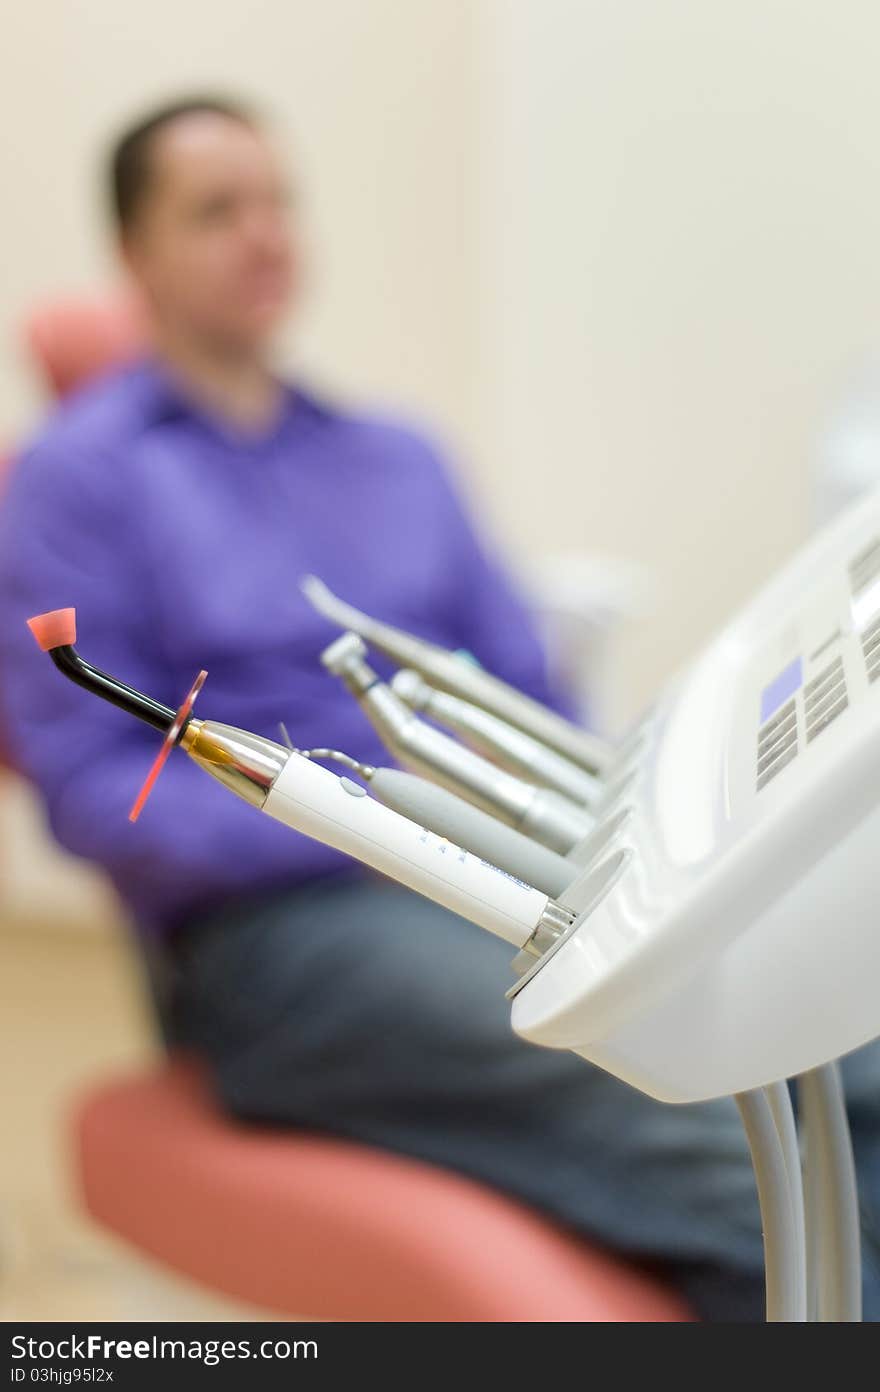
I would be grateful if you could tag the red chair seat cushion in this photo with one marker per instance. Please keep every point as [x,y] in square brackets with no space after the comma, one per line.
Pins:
[317,1227]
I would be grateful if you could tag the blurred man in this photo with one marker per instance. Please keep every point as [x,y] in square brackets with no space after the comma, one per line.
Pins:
[176,504]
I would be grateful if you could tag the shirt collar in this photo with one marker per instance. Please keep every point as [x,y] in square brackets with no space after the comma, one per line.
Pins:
[166,400]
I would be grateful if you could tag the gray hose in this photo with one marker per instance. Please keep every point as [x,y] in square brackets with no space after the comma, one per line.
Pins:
[448,815]
[777,1218]
[833,1206]
[813,1210]
[779,1098]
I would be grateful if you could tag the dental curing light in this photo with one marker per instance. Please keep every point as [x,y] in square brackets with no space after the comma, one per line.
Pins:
[301,793]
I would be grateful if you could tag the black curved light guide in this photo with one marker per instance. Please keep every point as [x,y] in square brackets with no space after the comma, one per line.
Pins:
[68,661]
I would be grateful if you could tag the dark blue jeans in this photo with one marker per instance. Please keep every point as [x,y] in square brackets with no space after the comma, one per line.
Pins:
[365,1011]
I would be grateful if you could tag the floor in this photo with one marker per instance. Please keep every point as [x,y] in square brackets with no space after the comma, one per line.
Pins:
[71,1010]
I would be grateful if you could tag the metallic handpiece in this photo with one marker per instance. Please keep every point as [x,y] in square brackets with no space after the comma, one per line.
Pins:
[244,763]
[320,804]
[497,740]
[540,813]
[460,677]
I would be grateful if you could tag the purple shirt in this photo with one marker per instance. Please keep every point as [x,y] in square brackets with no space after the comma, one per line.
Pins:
[181,543]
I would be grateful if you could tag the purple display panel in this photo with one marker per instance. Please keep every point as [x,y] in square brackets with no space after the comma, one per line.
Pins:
[789,681]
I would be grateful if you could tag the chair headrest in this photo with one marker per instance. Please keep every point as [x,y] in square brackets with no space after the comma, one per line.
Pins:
[73,339]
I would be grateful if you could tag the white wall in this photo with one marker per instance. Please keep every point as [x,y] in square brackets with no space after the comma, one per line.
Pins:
[623,253]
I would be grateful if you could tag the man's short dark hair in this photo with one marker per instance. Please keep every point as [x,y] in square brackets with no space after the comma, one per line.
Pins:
[130,158]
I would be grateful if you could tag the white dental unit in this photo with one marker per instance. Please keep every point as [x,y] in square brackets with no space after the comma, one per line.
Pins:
[712,930]
[734,936]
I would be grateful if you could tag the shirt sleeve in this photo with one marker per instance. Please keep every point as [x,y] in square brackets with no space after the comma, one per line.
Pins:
[65,541]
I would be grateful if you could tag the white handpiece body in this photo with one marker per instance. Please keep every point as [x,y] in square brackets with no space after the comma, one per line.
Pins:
[340,813]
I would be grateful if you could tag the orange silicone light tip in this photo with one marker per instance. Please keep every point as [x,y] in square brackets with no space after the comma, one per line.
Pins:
[57,629]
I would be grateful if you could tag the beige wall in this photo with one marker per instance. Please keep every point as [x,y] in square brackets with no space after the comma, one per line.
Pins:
[373,100]
[680,233]
[623,253]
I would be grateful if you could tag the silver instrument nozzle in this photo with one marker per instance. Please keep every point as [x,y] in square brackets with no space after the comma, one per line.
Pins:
[247,764]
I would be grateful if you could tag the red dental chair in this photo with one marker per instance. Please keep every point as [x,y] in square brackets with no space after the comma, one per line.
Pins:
[300,1224]
[78,337]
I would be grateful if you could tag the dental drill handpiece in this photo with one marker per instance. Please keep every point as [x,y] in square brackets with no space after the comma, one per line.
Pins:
[334,810]
[458,821]
[456,674]
[497,740]
[541,813]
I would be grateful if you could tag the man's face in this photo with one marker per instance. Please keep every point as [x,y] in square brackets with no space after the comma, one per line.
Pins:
[211,243]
